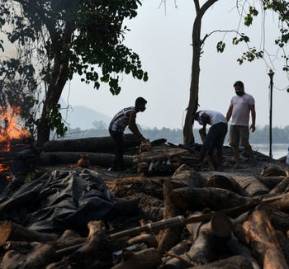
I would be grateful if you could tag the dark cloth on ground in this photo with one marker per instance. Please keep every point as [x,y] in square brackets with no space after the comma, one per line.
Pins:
[59,200]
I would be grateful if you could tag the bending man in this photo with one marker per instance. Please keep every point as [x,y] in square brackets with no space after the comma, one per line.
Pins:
[214,140]
[126,117]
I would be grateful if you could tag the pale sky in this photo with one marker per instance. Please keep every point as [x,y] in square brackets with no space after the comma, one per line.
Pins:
[163,41]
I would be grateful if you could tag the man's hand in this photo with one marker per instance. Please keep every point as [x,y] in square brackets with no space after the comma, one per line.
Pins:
[252,128]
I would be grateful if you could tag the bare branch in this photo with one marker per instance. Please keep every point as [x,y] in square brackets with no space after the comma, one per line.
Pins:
[218,31]
[197,5]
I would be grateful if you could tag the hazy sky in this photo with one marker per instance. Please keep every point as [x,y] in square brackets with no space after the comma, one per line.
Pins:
[163,41]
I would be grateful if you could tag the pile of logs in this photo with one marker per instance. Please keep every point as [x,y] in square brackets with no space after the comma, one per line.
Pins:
[187,220]
[98,150]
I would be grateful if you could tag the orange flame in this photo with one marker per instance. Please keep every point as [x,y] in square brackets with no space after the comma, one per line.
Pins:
[10,129]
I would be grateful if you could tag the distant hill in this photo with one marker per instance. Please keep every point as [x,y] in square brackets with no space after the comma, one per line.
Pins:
[83,117]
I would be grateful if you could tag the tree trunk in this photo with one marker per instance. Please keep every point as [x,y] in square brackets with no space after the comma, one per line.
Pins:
[60,75]
[57,80]
[194,87]
[195,75]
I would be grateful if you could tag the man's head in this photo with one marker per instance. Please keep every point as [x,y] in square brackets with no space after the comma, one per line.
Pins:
[239,88]
[140,104]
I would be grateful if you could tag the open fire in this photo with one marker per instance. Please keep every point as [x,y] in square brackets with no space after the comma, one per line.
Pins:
[10,130]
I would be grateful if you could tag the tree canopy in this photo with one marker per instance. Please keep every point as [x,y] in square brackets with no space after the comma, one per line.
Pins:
[70,37]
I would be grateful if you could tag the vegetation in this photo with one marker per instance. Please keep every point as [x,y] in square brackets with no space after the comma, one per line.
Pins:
[70,37]
[251,10]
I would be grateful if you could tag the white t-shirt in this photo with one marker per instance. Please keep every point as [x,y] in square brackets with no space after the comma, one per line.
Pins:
[215,117]
[241,109]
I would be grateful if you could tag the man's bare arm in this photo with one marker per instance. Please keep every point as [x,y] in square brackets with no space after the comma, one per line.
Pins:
[133,127]
[253,115]
[229,112]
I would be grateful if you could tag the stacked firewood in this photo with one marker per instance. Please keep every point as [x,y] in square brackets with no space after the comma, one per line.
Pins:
[219,221]
[97,150]
[186,220]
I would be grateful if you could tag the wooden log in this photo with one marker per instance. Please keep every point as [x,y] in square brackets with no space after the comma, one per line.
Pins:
[188,176]
[282,203]
[235,247]
[69,238]
[91,144]
[235,262]
[126,186]
[211,242]
[284,244]
[172,257]
[251,185]
[270,181]
[160,153]
[94,238]
[195,218]
[226,183]
[273,170]
[10,231]
[168,237]
[200,198]
[261,235]
[39,257]
[279,220]
[102,159]
[20,246]
[281,187]
[148,239]
[144,259]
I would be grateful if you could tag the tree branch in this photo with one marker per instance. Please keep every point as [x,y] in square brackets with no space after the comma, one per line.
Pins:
[206,6]
[197,6]
[218,31]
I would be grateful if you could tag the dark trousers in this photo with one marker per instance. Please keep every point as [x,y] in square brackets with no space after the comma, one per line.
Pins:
[118,158]
[215,140]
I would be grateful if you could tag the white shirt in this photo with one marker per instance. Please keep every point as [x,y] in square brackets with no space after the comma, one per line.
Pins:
[215,117]
[241,109]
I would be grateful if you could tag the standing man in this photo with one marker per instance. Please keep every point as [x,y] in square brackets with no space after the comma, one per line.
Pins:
[241,106]
[126,117]
[216,135]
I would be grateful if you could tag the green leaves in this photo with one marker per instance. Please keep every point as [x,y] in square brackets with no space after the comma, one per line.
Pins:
[250,55]
[241,38]
[221,46]
[86,37]
[55,120]
[253,12]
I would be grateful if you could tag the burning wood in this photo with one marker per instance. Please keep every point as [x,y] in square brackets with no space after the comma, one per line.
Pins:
[10,131]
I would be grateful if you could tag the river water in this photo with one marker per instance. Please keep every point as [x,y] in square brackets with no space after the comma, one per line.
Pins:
[278,150]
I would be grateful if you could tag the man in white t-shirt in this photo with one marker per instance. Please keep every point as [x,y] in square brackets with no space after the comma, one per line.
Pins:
[214,140]
[242,104]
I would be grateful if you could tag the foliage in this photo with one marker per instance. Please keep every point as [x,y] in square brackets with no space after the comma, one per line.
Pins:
[85,37]
[279,7]
[18,88]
